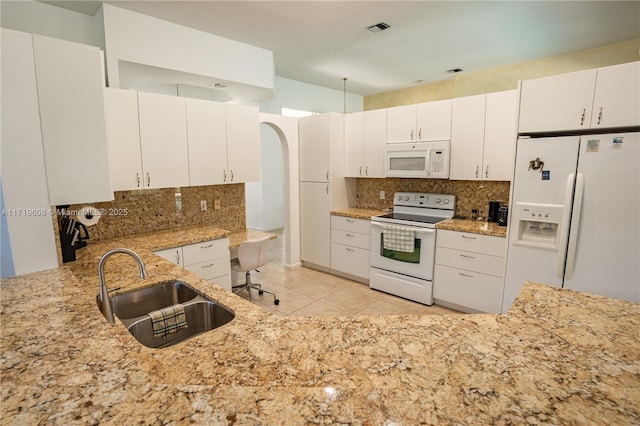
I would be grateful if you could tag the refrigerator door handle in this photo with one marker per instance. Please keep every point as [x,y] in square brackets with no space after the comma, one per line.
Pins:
[575,224]
[564,225]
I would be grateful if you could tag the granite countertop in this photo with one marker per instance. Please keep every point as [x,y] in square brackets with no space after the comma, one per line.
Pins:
[557,357]
[474,227]
[357,213]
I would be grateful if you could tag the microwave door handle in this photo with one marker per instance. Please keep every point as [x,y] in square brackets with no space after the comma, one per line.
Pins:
[563,233]
[429,167]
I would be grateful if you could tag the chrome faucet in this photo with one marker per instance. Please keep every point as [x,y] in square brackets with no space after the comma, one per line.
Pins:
[103,296]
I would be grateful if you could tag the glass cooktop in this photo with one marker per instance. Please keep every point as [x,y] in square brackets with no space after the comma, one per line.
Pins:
[404,217]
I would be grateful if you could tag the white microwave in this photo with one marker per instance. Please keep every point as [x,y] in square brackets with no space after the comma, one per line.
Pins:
[418,160]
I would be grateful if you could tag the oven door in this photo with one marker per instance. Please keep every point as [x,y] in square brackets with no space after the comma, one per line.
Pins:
[418,264]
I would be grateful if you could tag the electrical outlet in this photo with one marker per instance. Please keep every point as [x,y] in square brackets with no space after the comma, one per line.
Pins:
[216,204]
[382,195]
[203,205]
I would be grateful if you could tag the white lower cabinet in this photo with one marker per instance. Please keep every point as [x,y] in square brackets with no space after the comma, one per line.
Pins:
[469,271]
[208,259]
[350,241]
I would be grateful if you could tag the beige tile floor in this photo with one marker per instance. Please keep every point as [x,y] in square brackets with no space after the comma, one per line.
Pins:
[308,292]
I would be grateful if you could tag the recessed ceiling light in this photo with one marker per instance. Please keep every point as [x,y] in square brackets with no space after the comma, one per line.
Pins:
[380,26]
[220,85]
[454,70]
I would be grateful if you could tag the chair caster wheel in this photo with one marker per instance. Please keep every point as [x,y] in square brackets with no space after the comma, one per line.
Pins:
[276,302]
[260,292]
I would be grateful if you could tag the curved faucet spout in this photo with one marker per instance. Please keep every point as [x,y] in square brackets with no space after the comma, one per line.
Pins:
[103,296]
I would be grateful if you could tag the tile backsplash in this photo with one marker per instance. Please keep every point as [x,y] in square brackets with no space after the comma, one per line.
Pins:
[134,212]
[469,194]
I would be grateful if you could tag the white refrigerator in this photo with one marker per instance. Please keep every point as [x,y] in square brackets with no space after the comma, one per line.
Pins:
[575,215]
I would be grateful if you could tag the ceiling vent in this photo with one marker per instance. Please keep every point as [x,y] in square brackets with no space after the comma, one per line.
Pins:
[380,26]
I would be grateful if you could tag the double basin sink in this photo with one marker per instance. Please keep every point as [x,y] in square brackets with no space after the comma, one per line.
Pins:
[202,314]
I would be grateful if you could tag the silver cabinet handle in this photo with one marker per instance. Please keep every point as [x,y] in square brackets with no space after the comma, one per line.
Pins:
[231,175]
[327,189]
[137,180]
[467,257]
[486,173]
[360,170]
[207,266]
[420,134]
[349,235]
[411,134]
[366,171]
[468,237]
[224,173]
[584,110]
[178,257]
[327,176]
[600,116]
[465,275]
[206,247]
[350,220]
[148,179]
[477,171]
[349,250]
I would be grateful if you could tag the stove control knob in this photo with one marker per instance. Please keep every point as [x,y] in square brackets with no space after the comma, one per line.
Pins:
[438,200]
[399,197]
[446,201]
[406,198]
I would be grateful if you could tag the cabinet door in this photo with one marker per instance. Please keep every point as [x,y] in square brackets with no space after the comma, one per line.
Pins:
[72,114]
[354,145]
[315,148]
[434,120]
[243,143]
[559,102]
[163,136]
[467,138]
[315,223]
[500,135]
[207,136]
[24,179]
[123,134]
[471,290]
[375,130]
[617,98]
[401,124]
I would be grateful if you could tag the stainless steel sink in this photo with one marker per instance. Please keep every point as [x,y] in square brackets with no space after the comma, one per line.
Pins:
[202,314]
[140,302]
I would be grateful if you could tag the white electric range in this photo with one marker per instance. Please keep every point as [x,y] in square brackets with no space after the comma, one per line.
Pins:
[408,272]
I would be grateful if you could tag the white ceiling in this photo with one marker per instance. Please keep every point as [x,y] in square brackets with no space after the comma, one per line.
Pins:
[320,42]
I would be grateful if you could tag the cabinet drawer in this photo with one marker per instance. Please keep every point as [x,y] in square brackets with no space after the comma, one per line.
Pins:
[206,250]
[477,243]
[350,260]
[360,226]
[473,290]
[172,255]
[210,268]
[470,261]
[349,238]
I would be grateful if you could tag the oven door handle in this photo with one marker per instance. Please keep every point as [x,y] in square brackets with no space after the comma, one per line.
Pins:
[417,230]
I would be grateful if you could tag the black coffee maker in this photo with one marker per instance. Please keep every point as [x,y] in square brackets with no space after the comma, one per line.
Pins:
[494,207]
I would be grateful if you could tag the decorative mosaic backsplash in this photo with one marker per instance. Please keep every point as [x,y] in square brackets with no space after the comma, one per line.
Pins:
[469,194]
[134,212]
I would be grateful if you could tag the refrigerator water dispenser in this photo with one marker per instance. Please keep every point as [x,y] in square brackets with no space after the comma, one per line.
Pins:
[538,224]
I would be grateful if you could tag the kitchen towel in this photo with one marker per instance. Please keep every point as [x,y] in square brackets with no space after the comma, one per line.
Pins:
[398,238]
[168,320]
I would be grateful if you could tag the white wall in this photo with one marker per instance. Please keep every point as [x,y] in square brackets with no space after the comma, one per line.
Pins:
[52,21]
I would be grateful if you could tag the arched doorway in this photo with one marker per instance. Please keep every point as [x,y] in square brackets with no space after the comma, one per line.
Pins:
[286,128]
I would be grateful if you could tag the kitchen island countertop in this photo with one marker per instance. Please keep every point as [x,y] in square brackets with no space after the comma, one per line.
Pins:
[557,357]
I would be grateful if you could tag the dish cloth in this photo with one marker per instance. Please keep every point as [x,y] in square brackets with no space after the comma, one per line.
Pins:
[168,320]
[398,238]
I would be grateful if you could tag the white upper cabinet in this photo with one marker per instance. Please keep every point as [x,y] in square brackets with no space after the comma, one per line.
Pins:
[617,98]
[207,136]
[428,121]
[123,133]
[559,102]
[598,98]
[467,138]
[163,137]
[243,143]
[483,136]
[500,135]
[365,138]
[70,82]
[315,148]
